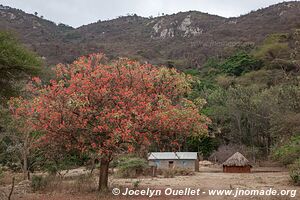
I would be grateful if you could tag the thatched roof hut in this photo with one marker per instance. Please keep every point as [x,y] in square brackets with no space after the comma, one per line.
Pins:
[237,163]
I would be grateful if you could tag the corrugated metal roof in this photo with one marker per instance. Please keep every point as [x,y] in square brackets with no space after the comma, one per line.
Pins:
[172,156]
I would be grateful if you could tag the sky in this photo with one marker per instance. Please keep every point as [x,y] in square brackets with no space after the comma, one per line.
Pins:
[80,12]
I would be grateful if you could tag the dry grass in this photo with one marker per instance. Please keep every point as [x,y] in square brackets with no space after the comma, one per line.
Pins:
[7,177]
[78,184]
[83,187]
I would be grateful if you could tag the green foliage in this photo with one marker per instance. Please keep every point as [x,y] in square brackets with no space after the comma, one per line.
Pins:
[131,167]
[240,63]
[200,88]
[54,165]
[253,98]
[262,77]
[205,145]
[276,37]
[38,183]
[274,49]
[225,81]
[9,141]
[14,56]
[136,184]
[211,69]
[193,72]
[1,173]
[15,63]
[290,152]
[271,51]
[295,171]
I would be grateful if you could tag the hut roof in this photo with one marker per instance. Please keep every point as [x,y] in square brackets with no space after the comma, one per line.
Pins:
[237,159]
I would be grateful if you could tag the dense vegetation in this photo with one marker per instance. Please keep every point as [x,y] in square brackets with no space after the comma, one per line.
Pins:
[252,98]
[17,64]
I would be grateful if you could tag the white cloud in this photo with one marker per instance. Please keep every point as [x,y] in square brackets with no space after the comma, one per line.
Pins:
[79,12]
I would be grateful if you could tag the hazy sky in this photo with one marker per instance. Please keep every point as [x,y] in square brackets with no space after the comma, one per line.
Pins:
[80,12]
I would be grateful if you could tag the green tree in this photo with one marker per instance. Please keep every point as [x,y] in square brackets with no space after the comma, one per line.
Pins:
[289,152]
[16,63]
[240,63]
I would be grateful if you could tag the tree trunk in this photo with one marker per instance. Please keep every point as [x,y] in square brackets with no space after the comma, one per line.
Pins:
[12,189]
[103,176]
[238,120]
[25,167]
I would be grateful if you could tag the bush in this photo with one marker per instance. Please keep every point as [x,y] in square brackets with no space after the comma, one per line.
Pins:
[52,183]
[288,153]
[57,162]
[136,184]
[84,183]
[38,183]
[1,173]
[169,173]
[240,63]
[131,167]
[183,172]
[295,172]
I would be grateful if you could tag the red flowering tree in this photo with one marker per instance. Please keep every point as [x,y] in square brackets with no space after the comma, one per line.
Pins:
[111,108]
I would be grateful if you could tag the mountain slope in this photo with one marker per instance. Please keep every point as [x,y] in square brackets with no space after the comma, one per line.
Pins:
[185,39]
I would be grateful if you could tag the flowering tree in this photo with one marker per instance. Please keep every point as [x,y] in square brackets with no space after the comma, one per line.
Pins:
[21,138]
[111,108]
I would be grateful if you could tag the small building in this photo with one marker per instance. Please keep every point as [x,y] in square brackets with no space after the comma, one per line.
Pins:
[171,160]
[237,163]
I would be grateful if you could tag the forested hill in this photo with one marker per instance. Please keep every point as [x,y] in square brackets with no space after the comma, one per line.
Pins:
[185,40]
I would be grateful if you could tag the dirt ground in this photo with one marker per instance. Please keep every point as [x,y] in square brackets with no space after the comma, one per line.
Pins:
[206,179]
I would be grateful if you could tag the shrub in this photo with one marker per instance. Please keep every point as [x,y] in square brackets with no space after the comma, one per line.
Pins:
[131,167]
[169,173]
[84,183]
[38,183]
[183,172]
[239,64]
[269,52]
[48,183]
[136,184]
[1,173]
[275,46]
[289,153]
[295,172]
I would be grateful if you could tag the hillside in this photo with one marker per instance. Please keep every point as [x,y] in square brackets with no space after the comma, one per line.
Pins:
[185,39]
